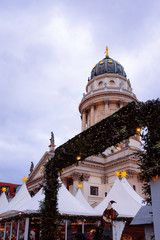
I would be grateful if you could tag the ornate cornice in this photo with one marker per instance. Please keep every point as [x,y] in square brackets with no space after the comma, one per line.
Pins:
[37,180]
[101,166]
[76,175]
[131,158]
[85,102]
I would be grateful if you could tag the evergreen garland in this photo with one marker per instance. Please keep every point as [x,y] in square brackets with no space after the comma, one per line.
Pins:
[149,158]
[106,133]
[20,216]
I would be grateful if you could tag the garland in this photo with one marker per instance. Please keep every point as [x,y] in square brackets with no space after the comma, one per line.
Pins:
[128,220]
[106,133]
[149,158]
[19,217]
[79,217]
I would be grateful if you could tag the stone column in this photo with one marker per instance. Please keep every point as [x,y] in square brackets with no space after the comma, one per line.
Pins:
[83,120]
[76,178]
[26,229]
[106,108]
[92,115]
[85,185]
[121,103]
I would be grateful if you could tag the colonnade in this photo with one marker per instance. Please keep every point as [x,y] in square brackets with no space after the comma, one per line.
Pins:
[89,114]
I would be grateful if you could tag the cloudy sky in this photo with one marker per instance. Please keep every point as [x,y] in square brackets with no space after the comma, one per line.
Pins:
[47,51]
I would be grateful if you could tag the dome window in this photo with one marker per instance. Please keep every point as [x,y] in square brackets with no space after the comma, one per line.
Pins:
[110,61]
[101,62]
[111,82]
[100,84]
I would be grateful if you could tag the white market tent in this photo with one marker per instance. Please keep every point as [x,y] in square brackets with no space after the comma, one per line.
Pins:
[33,204]
[21,197]
[79,196]
[126,205]
[67,203]
[131,191]
[128,202]
[3,201]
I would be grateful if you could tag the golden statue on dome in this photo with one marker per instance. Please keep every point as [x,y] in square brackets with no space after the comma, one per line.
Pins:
[107,55]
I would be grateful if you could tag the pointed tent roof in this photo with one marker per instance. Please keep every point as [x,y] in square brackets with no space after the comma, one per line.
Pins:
[131,191]
[67,204]
[79,196]
[20,198]
[126,205]
[3,201]
[33,204]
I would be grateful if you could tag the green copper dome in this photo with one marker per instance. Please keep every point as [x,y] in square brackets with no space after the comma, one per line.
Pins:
[107,65]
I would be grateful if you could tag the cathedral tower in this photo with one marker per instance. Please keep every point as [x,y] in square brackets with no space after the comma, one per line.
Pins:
[107,90]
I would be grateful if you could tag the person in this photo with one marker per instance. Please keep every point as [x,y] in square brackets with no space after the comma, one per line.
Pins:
[107,218]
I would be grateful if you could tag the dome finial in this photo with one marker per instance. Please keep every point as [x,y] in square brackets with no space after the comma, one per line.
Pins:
[107,55]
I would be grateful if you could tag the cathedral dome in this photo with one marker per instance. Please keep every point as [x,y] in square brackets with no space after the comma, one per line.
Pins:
[107,65]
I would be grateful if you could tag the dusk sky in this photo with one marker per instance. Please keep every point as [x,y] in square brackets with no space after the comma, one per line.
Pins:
[47,51]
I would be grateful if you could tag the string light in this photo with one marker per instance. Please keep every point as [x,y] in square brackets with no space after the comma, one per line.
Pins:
[78,157]
[155,178]
[138,130]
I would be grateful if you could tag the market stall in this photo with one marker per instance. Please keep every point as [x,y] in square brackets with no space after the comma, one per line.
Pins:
[21,219]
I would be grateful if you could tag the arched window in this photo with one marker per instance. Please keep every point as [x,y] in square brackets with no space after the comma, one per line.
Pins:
[100,84]
[111,82]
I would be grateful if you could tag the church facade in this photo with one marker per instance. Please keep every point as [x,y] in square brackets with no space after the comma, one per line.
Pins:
[107,90]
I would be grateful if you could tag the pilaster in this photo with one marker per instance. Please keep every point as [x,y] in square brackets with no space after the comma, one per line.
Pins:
[83,120]
[106,107]
[92,115]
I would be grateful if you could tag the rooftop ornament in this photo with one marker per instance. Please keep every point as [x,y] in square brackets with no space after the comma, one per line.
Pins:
[24,179]
[4,189]
[117,173]
[107,55]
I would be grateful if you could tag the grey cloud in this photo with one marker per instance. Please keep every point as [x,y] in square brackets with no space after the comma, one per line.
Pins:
[46,55]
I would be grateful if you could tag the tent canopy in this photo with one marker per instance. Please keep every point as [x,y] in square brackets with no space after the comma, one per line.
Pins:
[67,203]
[126,205]
[3,201]
[131,191]
[20,198]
